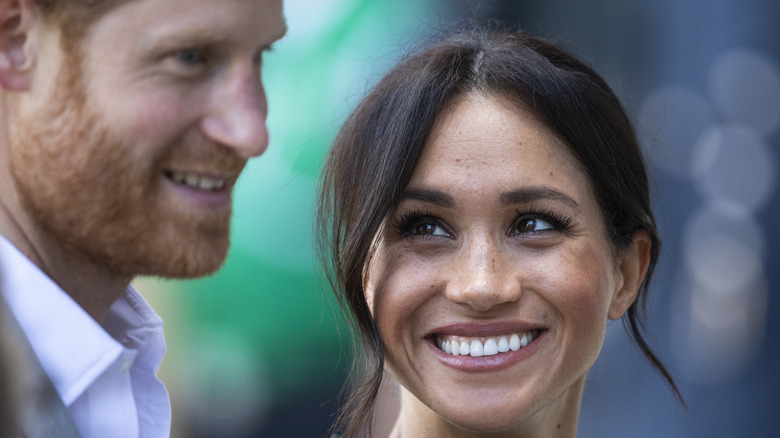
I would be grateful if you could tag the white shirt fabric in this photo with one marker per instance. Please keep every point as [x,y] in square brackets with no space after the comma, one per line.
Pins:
[105,375]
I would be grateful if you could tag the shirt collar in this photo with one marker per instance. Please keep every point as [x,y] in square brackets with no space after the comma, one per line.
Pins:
[72,348]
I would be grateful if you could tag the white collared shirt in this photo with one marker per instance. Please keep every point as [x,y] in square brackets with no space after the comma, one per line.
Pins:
[105,375]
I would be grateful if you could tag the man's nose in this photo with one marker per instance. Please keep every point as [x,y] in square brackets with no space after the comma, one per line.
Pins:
[236,118]
[484,276]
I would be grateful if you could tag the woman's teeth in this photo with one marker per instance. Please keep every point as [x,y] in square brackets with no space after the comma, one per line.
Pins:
[485,346]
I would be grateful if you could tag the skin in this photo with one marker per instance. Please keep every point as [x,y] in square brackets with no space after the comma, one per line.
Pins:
[469,260]
[89,155]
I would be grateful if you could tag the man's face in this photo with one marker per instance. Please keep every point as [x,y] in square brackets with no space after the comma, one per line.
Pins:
[129,157]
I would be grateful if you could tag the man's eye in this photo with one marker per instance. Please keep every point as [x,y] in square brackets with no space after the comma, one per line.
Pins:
[191,57]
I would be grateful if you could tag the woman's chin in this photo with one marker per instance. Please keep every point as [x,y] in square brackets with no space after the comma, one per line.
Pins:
[481,420]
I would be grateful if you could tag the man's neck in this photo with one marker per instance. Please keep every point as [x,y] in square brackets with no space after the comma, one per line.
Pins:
[92,286]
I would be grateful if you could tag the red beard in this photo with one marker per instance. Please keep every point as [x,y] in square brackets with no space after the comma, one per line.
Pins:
[91,190]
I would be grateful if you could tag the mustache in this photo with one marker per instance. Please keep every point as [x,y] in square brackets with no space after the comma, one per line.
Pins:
[205,158]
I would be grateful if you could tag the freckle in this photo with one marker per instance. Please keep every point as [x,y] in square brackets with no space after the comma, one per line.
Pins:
[483,163]
[457,160]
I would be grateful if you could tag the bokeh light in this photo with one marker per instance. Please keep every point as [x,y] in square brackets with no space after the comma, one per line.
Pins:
[745,87]
[671,119]
[732,164]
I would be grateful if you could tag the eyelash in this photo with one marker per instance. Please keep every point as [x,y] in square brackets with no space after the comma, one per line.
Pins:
[258,58]
[558,221]
[405,223]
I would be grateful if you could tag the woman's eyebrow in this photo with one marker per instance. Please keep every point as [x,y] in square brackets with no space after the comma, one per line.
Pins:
[526,195]
[430,196]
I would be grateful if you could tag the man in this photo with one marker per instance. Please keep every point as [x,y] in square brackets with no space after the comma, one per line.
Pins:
[124,125]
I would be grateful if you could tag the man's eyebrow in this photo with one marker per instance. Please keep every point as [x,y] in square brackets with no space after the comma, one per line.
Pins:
[194,38]
[430,196]
[527,195]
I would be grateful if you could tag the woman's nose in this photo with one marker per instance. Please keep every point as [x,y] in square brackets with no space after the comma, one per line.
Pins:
[483,276]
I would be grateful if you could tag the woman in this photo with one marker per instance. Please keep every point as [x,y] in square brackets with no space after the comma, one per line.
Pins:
[484,211]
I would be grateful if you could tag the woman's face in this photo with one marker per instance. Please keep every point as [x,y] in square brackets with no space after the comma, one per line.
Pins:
[493,282]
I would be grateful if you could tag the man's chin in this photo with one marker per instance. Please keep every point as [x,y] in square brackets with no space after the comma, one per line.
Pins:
[180,261]
[192,266]
[202,269]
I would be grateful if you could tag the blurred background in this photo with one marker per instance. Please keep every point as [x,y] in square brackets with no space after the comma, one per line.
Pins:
[258,350]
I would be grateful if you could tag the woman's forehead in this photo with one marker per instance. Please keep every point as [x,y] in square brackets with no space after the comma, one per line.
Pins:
[481,136]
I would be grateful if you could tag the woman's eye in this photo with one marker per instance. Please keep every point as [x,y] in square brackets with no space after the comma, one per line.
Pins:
[531,225]
[413,225]
[428,229]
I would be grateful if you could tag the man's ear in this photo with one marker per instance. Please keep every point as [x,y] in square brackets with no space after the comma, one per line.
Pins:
[632,267]
[17,18]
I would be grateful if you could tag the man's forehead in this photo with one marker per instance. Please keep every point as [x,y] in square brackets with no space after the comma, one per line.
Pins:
[200,21]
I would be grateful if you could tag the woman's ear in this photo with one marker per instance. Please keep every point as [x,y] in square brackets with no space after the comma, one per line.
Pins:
[632,267]
[17,19]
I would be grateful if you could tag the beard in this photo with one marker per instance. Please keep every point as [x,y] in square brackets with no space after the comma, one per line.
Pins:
[90,190]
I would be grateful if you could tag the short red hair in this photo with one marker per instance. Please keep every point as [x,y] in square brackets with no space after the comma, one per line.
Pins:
[75,17]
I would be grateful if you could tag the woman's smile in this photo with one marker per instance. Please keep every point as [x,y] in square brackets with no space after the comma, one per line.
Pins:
[485,354]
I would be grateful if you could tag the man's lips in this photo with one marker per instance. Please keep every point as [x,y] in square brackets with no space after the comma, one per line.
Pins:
[207,182]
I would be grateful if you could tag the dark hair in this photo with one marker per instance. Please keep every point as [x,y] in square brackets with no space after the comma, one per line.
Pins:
[378,147]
